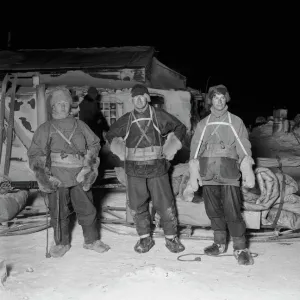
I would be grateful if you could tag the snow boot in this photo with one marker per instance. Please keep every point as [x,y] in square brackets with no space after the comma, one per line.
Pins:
[59,250]
[215,249]
[97,246]
[174,245]
[243,257]
[144,245]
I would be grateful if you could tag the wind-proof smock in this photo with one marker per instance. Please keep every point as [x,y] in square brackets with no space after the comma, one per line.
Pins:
[220,143]
[144,135]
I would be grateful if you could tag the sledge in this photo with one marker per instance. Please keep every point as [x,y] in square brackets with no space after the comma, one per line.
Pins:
[116,218]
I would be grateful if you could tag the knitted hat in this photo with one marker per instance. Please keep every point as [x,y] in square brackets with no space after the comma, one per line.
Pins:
[218,89]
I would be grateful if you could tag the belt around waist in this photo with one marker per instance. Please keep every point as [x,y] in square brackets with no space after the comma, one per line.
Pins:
[145,162]
[144,154]
[68,161]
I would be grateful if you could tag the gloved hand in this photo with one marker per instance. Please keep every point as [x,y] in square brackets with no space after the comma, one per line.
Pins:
[117,147]
[89,173]
[49,186]
[247,172]
[46,182]
[195,178]
[171,146]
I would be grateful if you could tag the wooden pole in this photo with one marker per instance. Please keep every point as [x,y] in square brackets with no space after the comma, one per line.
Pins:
[41,107]
[2,111]
[10,129]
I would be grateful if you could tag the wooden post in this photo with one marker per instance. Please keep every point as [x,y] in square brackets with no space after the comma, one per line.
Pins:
[10,129]
[2,110]
[41,108]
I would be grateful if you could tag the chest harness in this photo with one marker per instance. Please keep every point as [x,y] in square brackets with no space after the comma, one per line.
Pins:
[63,159]
[139,153]
[229,123]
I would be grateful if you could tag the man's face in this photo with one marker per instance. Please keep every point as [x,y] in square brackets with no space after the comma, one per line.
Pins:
[140,102]
[61,108]
[219,101]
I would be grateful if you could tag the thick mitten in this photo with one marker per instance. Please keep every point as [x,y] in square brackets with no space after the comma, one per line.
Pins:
[89,173]
[195,178]
[247,172]
[171,146]
[46,182]
[117,147]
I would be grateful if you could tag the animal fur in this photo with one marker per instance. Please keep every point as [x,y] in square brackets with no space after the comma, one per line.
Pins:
[46,182]
[89,173]
[247,172]
[195,178]
[171,146]
[117,147]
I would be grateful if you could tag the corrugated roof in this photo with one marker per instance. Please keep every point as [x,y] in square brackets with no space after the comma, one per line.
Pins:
[76,58]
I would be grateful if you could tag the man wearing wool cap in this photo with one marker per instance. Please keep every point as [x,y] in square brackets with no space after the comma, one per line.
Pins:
[220,154]
[146,139]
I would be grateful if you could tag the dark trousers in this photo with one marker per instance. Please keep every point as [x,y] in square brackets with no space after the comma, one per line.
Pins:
[158,189]
[223,207]
[82,203]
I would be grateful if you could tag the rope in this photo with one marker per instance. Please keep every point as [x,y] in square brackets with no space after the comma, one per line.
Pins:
[198,256]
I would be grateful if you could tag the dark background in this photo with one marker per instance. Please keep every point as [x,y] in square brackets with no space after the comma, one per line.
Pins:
[254,62]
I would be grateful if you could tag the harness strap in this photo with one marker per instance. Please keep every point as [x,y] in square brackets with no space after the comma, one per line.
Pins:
[130,122]
[143,132]
[219,123]
[68,140]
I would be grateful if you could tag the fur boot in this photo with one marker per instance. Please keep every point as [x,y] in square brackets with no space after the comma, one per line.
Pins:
[247,172]
[46,182]
[171,146]
[89,173]
[117,147]
[195,178]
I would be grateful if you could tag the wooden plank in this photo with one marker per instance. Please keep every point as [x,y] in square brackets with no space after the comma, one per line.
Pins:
[2,110]
[10,128]
[41,108]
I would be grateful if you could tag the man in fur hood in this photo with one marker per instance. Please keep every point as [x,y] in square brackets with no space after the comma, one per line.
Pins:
[64,157]
[146,139]
[220,154]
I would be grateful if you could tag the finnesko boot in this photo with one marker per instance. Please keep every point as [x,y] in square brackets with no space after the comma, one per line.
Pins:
[215,249]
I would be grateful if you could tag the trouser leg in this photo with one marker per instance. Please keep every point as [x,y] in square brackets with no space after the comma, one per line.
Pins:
[59,213]
[138,197]
[163,202]
[214,209]
[86,213]
[232,209]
